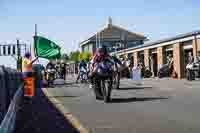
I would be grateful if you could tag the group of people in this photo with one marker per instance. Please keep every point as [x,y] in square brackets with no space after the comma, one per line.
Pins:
[100,55]
[27,64]
[60,68]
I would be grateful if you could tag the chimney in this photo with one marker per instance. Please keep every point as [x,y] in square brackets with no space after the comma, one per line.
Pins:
[109,22]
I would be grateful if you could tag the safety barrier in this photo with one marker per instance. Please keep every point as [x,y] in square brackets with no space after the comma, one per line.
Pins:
[11,92]
[8,123]
[22,114]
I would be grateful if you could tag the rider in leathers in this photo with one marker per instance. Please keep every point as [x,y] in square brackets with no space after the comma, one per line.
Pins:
[101,55]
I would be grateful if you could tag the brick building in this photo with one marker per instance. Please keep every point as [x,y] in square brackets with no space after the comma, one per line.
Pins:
[178,46]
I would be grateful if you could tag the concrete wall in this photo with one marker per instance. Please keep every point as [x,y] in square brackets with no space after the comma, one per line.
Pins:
[135,56]
[146,57]
[194,46]
[160,56]
[198,44]
[178,59]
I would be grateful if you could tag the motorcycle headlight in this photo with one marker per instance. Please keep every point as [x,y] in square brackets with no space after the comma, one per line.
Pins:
[99,70]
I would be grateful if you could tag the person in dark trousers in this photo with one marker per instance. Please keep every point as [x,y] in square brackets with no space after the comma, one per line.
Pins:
[63,70]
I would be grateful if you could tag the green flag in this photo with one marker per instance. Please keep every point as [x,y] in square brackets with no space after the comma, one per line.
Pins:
[45,48]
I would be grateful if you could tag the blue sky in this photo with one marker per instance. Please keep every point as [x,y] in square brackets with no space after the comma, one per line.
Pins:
[69,22]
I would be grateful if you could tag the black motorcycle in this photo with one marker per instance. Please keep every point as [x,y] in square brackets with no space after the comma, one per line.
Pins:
[103,80]
[146,72]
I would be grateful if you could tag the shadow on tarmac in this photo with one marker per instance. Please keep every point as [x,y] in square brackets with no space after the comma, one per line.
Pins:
[63,96]
[66,85]
[134,88]
[135,99]
[39,115]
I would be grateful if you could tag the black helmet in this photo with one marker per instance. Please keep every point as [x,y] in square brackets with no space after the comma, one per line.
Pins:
[27,55]
[102,49]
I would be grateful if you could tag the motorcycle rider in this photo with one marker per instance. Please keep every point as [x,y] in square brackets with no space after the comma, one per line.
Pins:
[82,65]
[63,70]
[50,65]
[101,55]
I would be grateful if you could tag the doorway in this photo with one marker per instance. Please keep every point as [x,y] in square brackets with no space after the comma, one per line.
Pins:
[155,64]
[141,57]
[185,59]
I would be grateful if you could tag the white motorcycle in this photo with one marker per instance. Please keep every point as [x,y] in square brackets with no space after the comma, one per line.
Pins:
[83,75]
[191,70]
[51,75]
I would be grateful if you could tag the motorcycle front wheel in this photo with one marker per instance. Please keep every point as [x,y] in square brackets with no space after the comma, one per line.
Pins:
[106,86]
[97,89]
[189,75]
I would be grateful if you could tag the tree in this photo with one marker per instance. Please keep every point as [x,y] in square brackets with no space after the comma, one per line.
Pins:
[74,56]
[87,56]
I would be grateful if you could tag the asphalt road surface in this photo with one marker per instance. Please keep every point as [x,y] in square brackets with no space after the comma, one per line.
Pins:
[156,106]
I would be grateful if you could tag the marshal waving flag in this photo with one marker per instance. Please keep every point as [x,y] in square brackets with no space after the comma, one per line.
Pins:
[45,48]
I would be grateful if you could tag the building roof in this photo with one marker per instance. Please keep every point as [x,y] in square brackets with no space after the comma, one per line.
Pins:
[173,38]
[189,34]
[114,33]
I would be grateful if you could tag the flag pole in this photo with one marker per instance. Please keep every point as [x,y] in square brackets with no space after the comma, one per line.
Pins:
[34,42]
[35,29]
[34,47]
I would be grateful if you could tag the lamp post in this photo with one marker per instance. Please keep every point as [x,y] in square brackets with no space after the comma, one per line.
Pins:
[19,59]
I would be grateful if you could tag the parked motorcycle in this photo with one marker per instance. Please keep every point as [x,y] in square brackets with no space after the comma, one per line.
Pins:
[165,70]
[146,73]
[192,70]
[103,80]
